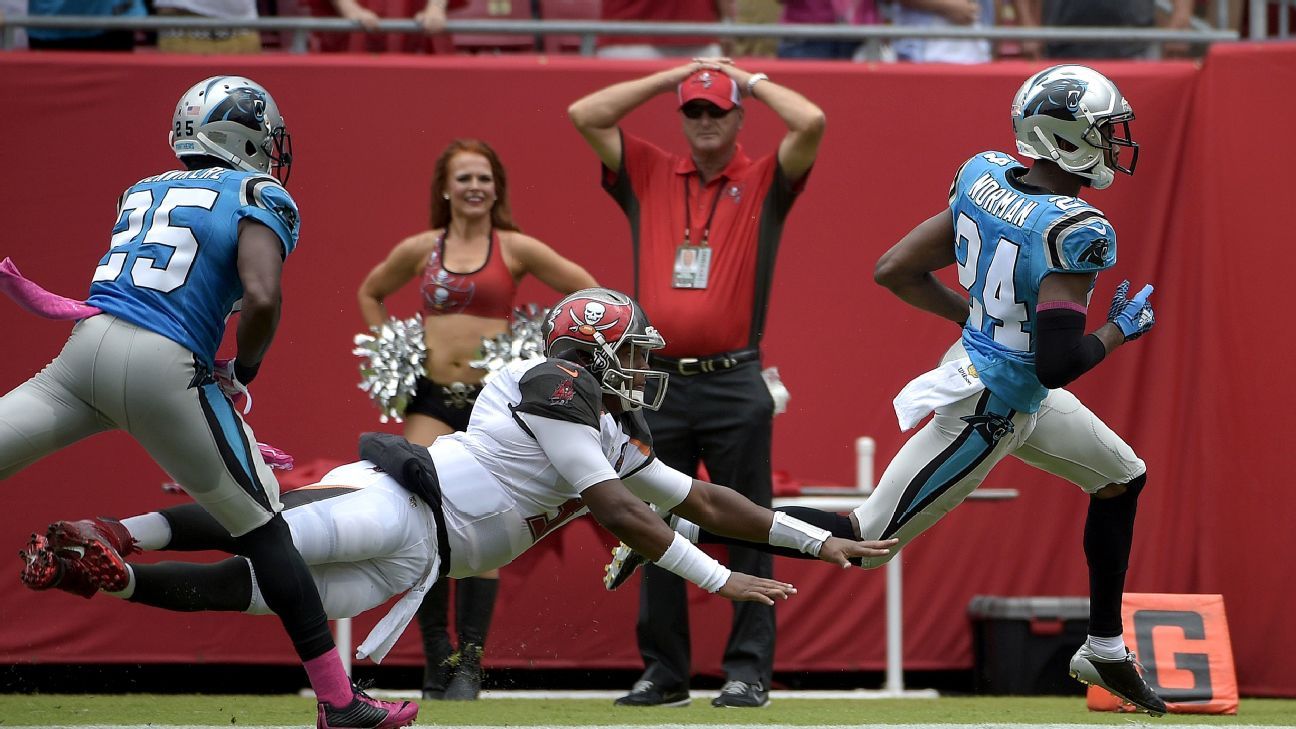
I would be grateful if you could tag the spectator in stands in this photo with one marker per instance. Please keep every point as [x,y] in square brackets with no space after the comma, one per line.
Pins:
[431,14]
[15,7]
[856,12]
[204,40]
[710,291]
[468,266]
[1106,13]
[83,39]
[938,14]
[664,11]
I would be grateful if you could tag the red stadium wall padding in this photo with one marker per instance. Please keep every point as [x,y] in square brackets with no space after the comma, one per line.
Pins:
[1202,220]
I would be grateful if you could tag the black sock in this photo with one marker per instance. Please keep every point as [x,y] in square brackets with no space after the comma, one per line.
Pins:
[193,529]
[433,622]
[474,604]
[287,586]
[1108,535]
[190,587]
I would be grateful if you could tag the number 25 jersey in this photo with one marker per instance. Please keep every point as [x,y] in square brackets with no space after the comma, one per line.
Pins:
[172,264]
[1009,235]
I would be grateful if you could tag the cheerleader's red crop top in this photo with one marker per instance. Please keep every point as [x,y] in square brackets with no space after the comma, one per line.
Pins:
[486,292]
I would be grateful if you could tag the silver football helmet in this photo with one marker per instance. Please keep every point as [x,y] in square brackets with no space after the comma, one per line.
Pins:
[232,118]
[1076,117]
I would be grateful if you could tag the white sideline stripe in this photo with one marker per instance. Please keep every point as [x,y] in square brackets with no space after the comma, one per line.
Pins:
[1133,722]
[775,695]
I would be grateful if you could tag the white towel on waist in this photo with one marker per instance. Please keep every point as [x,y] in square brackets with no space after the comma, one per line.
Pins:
[946,384]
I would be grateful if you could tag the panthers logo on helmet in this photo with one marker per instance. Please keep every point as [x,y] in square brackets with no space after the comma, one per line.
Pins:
[242,106]
[1060,98]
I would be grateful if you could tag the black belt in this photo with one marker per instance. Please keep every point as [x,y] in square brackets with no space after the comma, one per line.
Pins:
[689,366]
[413,468]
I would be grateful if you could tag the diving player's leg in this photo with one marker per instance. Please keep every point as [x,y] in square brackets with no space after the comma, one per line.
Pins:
[180,416]
[1071,442]
[938,467]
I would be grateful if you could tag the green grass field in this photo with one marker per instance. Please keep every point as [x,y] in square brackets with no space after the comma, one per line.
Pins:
[235,711]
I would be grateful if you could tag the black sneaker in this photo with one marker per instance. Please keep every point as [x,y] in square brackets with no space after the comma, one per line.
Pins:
[647,693]
[467,680]
[740,694]
[1119,676]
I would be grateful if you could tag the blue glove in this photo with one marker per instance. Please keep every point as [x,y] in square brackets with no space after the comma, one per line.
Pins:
[1132,316]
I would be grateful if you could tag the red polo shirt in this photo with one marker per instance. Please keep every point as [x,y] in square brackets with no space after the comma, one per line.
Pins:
[751,199]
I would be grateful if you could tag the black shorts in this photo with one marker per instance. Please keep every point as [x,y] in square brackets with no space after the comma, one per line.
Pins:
[451,404]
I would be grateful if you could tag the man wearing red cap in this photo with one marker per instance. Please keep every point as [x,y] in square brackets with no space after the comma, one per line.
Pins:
[705,228]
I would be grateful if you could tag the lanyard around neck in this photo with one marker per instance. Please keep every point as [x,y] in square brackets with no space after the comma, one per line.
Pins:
[688,212]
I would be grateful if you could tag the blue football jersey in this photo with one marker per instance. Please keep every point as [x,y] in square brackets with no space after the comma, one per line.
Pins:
[1008,236]
[172,264]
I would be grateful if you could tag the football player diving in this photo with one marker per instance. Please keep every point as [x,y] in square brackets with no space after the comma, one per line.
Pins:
[549,440]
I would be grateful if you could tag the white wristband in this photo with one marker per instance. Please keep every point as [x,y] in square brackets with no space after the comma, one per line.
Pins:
[694,565]
[787,531]
[754,79]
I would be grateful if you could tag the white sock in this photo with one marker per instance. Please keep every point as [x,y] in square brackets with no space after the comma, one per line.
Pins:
[129,589]
[1113,648]
[151,530]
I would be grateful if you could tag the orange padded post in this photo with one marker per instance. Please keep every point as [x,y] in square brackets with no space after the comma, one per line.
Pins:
[1183,643]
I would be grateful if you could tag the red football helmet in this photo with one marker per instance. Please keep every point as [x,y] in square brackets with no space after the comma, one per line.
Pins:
[615,334]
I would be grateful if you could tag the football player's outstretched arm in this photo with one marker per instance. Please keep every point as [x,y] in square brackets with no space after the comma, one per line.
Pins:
[627,517]
[907,269]
[260,265]
[728,513]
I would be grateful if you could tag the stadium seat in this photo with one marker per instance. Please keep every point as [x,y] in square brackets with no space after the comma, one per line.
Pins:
[567,10]
[493,10]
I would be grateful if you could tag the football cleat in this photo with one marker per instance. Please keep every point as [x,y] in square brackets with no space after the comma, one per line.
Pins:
[1119,676]
[91,548]
[43,570]
[366,712]
[74,534]
[624,563]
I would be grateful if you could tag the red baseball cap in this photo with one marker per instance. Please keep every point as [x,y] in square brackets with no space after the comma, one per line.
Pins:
[715,87]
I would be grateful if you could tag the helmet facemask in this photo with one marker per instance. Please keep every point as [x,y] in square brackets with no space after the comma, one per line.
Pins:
[627,368]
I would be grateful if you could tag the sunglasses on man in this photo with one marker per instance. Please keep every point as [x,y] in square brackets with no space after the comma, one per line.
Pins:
[695,111]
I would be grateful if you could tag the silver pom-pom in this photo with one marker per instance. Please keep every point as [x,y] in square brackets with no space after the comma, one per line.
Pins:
[394,355]
[524,340]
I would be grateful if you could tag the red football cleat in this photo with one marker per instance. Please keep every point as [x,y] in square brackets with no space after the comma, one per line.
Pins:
[91,548]
[43,570]
[74,534]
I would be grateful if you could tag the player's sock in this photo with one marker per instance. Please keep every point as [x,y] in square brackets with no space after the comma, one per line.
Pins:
[126,592]
[1113,648]
[288,589]
[474,605]
[189,587]
[327,678]
[1108,535]
[194,529]
[150,531]
[433,623]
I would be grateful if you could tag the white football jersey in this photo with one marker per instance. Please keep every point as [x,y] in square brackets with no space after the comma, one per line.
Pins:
[502,491]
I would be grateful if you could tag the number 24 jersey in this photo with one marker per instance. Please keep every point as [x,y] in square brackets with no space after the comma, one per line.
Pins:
[1009,235]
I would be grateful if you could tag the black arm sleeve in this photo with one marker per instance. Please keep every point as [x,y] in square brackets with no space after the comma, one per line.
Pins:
[1063,351]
